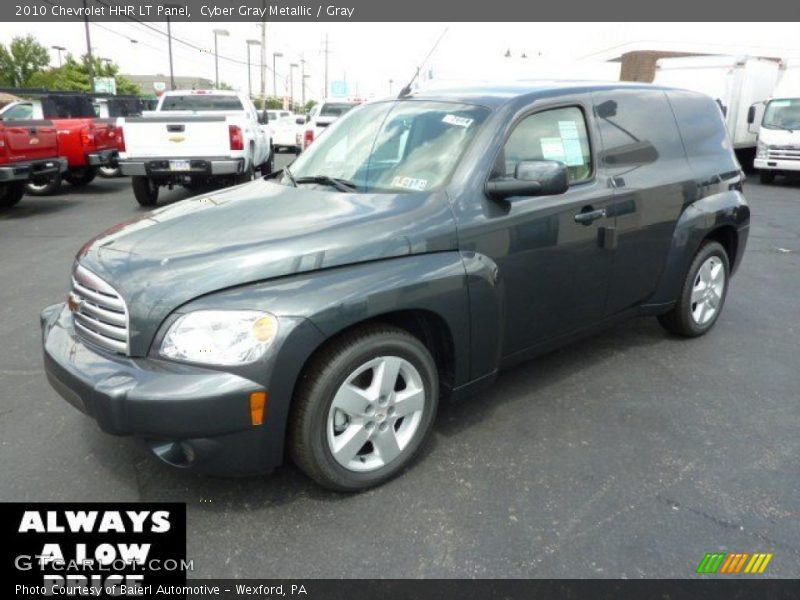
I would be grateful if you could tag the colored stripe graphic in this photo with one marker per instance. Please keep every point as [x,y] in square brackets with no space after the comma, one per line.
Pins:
[758,563]
[710,563]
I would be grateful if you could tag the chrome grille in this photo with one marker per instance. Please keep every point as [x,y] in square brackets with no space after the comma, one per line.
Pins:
[99,312]
[783,153]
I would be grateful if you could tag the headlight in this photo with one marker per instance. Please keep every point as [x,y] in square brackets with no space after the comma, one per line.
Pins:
[220,337]
[761,150]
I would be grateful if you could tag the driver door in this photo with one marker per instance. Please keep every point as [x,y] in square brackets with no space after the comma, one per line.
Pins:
[553,265]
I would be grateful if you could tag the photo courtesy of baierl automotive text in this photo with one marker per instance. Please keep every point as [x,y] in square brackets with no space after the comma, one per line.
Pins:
[465,303]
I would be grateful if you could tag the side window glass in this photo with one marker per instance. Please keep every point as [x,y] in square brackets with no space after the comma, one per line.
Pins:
[558,134]
[20,112]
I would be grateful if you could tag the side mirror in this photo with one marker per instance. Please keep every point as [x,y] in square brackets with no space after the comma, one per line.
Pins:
[263,117]
[301,120]
[531,178]
[751,114]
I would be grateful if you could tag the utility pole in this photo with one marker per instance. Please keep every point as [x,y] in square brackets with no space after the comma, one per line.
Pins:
[223,33]
[325,89]
[303,79]
[88,46]
[169,45]
[249,83]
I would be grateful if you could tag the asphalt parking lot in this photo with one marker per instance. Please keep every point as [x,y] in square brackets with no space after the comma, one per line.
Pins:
[631,454]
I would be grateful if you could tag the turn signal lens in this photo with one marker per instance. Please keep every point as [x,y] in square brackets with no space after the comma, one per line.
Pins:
[258,407]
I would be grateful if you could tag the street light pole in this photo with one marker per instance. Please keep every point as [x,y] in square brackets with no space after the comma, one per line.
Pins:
[303,80]
[88,45]
[274,76]
[59,49]
[224,33]
[249,82]
[304,88]
[292,67]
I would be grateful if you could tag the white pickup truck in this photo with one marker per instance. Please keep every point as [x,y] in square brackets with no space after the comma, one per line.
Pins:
[194,138]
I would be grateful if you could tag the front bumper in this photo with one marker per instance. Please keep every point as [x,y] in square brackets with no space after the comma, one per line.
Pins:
[769,164]
[199,167]
[103,158]
[34,169]
[189,416]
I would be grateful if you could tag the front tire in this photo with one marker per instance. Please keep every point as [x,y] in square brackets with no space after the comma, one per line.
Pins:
[766,177]
[11,193]
[363,408]
[702,295]
[145,190]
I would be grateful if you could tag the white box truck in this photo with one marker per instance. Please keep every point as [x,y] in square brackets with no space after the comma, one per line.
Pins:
[735,82]
[778,124]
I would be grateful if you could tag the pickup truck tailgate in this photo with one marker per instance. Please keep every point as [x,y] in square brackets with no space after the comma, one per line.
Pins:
[177,137]
[29,140]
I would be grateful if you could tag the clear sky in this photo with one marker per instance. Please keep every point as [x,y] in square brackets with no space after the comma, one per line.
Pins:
[368,55]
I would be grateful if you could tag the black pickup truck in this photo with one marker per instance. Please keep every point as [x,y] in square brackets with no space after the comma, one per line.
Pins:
[411,253]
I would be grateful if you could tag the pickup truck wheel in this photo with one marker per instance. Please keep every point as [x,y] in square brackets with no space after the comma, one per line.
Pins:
[766,177]
[11,193]
[109,172]
[363,408]
[703,293]
[44,187]
[269,166]
[145,190]
[80,177]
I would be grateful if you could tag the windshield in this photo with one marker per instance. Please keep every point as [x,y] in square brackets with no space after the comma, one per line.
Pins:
[201,102]
[782,114]
[400,146]
[330,109]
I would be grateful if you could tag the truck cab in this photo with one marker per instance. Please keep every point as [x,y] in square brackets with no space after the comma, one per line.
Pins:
[777,122]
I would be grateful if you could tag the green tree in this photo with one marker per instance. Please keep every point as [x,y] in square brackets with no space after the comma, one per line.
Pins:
[74,76]
[23,57]
[308,106]
[225,86]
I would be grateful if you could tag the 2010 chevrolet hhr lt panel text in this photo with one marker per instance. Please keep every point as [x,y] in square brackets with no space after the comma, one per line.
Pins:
[417,248]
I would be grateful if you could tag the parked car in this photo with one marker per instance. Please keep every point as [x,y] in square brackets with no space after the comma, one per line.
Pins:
[287,134]
[323,115]
[194,138]
[28,152]
[419,247]
[777,122]
[735,82]
[86,142]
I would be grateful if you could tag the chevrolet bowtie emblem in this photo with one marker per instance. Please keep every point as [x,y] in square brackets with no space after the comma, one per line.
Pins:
[73,302]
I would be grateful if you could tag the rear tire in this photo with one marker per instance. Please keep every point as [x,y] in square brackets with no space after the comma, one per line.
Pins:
[80,177]
[109,172]
[766,177]
[350,427]
[47,187]
[269,166]
[11,193]
[145,190]
[702,295]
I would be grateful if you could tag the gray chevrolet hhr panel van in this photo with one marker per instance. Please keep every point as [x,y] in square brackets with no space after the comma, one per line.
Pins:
[417,248]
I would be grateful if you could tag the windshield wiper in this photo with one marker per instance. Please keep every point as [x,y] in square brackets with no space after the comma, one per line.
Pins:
[343,185]
[289,176]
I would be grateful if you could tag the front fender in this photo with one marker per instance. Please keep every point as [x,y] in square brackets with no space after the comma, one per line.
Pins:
[697,221]
[319,304]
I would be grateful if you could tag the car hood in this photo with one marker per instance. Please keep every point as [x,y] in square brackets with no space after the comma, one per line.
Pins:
[254,232]
[779,137]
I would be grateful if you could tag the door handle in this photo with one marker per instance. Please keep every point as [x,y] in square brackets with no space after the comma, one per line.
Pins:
[586,217]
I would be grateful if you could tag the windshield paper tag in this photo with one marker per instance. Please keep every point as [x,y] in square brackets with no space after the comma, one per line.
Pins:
[456,120]
[410,183]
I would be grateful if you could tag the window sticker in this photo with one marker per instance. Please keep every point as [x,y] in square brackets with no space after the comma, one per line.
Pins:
[553,149]
[568,130]
[410,183]
[573,153]
[456,120]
